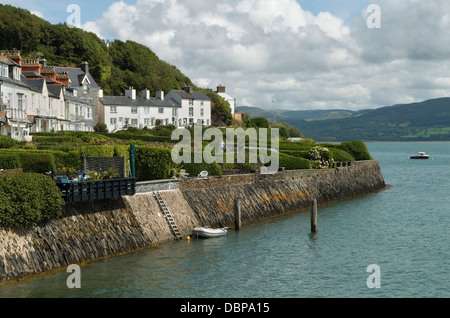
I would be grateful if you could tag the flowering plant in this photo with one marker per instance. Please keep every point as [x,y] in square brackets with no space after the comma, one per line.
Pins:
[321,158]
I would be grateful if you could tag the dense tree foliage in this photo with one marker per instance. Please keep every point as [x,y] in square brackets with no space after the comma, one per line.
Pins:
[115,65]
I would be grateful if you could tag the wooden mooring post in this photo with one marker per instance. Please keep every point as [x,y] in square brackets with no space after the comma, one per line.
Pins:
[237,214]
[314,215]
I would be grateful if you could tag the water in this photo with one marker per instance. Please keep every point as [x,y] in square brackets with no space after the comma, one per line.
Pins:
[403,230]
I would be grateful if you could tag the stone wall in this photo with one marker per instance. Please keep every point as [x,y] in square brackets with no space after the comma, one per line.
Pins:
[92,230]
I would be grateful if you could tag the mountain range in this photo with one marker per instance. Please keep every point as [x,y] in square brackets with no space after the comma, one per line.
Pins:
[422,121]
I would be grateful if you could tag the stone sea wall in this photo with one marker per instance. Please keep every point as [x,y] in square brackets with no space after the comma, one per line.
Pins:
[94,230]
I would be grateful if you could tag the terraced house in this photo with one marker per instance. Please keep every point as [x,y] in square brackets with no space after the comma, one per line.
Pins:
[35,97]
[180,108]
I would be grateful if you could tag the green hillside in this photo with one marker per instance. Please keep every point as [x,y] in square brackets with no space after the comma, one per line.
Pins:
[115,65]
[425,121]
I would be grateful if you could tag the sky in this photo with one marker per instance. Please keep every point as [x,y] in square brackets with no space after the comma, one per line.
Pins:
[284,54]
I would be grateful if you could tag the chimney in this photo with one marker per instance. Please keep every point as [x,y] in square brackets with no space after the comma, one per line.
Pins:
[63,78]
[15,56]
[146,94]
[188,89]
[100,93]
[220,89]
[131,93]
[85,67]
[43,62]
[160,95]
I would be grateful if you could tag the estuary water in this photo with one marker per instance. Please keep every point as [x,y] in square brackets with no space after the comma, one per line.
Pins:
[404,230]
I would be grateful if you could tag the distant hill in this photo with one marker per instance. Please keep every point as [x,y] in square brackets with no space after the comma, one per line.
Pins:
[424,121]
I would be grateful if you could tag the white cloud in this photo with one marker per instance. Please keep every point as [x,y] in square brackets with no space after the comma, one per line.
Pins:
[265,49]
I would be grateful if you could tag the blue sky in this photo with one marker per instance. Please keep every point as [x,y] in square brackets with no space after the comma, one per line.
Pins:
[302,54]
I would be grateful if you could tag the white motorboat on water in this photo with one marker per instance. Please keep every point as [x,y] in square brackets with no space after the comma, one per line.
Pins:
[421,155]
[206,231]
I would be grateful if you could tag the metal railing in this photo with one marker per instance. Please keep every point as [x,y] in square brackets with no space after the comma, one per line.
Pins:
[96,190]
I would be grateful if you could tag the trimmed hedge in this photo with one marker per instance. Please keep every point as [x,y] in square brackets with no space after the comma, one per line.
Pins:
[9,161]
[153,163]
[7,142]
[357,149]
[340,155]
[294,163]
[37,162]
[28,199]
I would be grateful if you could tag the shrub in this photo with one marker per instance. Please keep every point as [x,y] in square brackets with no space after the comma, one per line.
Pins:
[357,149]
[341,155]
[37,162]
[194,169]
[153,163]
[28,199]
[9,161]
[294,163]
[321,158]
[7,142]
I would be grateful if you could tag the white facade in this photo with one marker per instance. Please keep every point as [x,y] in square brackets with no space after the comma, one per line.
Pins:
[121,112]
[195,107]
[231,100]
[30,102]
[14,97]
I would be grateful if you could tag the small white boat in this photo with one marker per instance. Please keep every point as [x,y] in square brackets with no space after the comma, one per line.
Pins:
[206,231]
[421,155]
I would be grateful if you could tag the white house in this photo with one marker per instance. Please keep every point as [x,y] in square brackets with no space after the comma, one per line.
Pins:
[195,107]
[14,96]
[221,91]
[121,112]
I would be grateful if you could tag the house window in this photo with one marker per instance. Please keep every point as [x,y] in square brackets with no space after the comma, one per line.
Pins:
[88,113]
[113,109]
[202,112]
[134,110]
[191,121]
[134,122]
[191,111]
[147,122]
[113,121]
[202,102]
[175,112]
[161,110]
[191,102]
[147,110]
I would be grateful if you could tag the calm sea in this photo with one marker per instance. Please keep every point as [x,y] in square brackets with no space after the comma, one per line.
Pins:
[404,230]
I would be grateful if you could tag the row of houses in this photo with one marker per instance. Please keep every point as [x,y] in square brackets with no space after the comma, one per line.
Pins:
[36,97]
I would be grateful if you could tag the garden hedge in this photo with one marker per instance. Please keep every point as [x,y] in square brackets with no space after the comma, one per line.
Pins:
[357,149]
[9,161]
[28,199]
[153,163]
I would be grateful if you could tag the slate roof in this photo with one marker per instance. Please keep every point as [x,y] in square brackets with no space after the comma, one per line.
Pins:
[194,95]
[76,76]
[139,101]
[54,90]
[36,85]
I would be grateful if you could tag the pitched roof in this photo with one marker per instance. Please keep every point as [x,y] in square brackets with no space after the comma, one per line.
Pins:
[194,95]
[36,85]
[76,76]
[139,101]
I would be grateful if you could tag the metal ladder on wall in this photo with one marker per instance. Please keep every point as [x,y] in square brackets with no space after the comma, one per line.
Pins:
[168,215]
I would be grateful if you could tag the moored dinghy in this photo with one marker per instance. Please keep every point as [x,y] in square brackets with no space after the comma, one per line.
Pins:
[206,231]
